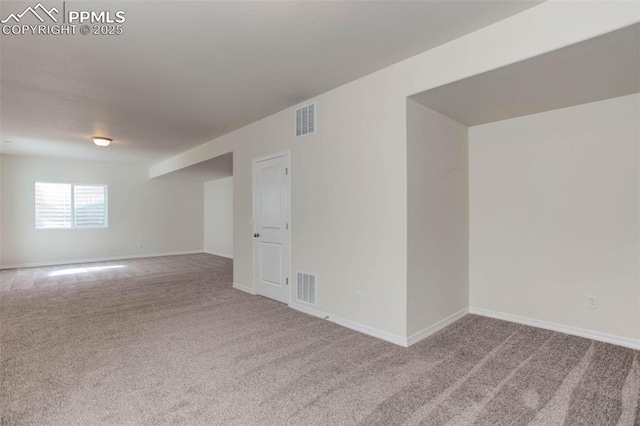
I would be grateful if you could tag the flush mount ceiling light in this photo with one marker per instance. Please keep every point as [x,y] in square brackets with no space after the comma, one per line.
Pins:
[101,141]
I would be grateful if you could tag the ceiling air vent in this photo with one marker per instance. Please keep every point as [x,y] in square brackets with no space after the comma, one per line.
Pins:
[306,120]
[306,288]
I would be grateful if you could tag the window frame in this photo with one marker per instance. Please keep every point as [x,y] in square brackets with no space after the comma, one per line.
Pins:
[73,207]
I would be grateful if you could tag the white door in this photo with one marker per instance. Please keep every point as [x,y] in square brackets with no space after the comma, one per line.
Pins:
[271,227]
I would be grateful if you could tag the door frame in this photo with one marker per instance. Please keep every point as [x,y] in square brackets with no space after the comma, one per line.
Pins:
[287,155]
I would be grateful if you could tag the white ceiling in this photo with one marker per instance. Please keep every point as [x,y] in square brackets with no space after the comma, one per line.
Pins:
[184,73]
[600,68]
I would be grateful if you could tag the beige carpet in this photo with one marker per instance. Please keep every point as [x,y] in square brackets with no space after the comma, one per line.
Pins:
[168,341]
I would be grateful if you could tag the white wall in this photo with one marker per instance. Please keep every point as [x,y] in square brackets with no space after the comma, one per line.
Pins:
[165,216]
[438,217]
[1,213]
[348,208]
[555,216]
[349,181]
[218,217]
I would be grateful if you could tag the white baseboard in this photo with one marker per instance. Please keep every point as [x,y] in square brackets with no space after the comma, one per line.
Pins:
[97,259]
[416,337]
[218,254]
[308,310]
[567,329]
[365,329]
[244,288]
[371,331]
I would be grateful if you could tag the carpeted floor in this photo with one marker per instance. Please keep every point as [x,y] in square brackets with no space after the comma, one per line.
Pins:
[168,341]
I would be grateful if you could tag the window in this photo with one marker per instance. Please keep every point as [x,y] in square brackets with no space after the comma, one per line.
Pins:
[65,205]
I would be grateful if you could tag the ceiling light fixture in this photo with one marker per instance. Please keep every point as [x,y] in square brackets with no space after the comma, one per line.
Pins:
[101,141]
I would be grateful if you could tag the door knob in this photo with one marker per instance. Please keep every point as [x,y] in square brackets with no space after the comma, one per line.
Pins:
[256,235]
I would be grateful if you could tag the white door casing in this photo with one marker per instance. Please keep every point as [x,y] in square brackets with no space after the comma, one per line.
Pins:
[271,226]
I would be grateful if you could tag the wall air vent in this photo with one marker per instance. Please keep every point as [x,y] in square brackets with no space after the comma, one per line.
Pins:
[306,120]
[306,291]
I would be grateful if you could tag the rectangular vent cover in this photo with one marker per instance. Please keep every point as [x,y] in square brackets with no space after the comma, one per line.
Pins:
[306,120]
[306,288]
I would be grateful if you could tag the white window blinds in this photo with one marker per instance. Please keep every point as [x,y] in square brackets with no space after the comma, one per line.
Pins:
[89,203]
[53,205]
[63,205]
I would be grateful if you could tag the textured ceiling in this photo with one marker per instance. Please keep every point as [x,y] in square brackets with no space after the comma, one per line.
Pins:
[183,73]
[603,67]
